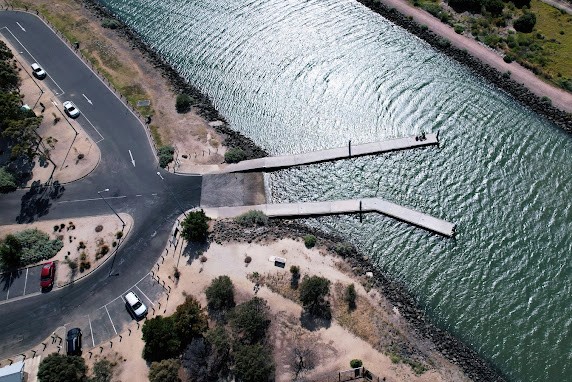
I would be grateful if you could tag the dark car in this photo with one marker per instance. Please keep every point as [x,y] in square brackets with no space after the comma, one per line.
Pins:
[48,275]
[73,342]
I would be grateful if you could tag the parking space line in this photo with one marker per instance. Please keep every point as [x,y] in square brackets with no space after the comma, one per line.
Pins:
[9,284]
[33,58]
[97,131]
[108,315]
[25,282]
[91,330]
[148,299]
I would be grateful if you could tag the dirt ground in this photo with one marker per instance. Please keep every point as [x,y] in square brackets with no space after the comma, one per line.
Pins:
[334,345]
[195,141]
[80,236]
[63,139]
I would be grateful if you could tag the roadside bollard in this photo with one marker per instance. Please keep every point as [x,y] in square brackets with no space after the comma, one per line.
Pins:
[120,337]
[153,311]
[159,305]
[101,349]
[90,354]
[110,344]
[11,361]
[23,355]
[53,338]
[163,281]
[59,348]
[168,286]
[45,344]
[137,325]
[157,266]
[152,273]
[162,259]
[129,330]
[34,353]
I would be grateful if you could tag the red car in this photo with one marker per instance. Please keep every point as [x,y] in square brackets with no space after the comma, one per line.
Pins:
[48,274]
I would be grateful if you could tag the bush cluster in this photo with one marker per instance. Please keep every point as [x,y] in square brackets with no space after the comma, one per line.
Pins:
[195,226]
[183,103]
[110,23]
[234,155]
[28,247]
[165,154]
[252,218]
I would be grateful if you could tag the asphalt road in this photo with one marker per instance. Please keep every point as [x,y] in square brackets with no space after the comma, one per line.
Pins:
[134,189]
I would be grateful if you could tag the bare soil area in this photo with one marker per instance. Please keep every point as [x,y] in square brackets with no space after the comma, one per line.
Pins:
[88,240]
[68,151]
[334,344]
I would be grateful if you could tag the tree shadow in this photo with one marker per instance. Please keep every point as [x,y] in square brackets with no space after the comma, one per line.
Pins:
[313,322]
[194,250]
[7,278]
[38,200]
[21,168]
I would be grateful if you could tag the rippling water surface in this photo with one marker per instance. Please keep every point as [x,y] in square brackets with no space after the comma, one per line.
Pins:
[299,75]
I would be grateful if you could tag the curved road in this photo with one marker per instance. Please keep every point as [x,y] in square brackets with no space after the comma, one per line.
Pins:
[134,189]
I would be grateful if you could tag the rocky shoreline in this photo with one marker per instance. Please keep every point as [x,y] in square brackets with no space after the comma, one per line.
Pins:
[500,80]
[454,350]
[180,85]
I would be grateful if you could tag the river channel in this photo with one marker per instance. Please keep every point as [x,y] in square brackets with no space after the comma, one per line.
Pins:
[301,75]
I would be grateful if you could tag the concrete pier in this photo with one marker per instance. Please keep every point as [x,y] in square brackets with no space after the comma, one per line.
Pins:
[350,151]
[384,207]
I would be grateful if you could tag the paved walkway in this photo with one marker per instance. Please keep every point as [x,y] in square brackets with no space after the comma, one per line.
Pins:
[285,161]
[384,207]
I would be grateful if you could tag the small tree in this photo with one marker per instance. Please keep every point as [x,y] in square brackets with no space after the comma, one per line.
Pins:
[183,103]
[61,368]
[309,241]
[165,371]
[165,154]
[190,320]
[313,291]
[10,252]
[7,181]
[295,271]
[355,363]
[249,321]
[350,296]
[525,23]
[220,294]
[195,226]
[234,155]
[253,363]
[161,340]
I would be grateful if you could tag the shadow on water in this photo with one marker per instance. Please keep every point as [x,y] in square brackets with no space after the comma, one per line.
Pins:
[38,200]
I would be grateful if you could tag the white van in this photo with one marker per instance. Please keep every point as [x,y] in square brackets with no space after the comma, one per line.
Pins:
[135,306]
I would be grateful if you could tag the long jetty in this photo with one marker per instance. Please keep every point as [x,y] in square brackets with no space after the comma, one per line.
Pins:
[350,151]
[285,210]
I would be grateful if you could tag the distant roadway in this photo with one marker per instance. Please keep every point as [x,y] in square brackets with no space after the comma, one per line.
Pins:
[133,188]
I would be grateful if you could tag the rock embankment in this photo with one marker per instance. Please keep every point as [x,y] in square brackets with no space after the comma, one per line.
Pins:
[454,350]
[493,76]
[181,85]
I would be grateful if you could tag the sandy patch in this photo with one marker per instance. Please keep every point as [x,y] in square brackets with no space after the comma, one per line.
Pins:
[334,345]
[81,236]
[70,153]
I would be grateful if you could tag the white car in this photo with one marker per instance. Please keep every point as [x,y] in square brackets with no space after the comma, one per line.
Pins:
[39,73]
[71,109]
[135,306]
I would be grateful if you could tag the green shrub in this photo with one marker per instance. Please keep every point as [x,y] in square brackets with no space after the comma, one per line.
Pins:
[183,103]
[350,296]
[102,371]
[253,363]
[508,58]
[7,181]
[190,320]
[10,252]
[459,29]
[195,226]
[234,155]
[252,218]
[161,340]
[249,321]
[344,249]
[110,23]
[165,154]
[220,294]
[62,368]
[354,363]
[165,371]
[37,246]
[525,23]
[313,291]
[309,241]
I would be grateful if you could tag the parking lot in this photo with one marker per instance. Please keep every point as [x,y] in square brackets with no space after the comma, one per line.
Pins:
[19,283]
[107,321]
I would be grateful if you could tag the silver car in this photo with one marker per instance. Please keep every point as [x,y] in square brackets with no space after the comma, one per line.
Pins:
[39,73]
[71,109]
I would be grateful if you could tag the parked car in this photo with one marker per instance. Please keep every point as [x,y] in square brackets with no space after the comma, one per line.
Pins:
[71,109]
[73,342]
[48,275]
[135,306]
[39,73]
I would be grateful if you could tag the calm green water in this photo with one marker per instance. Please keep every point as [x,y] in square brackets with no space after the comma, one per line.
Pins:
[301,75]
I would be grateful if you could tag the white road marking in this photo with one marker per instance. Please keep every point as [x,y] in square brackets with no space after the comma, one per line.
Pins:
[34,60]
[88,100]
[91,330]
[109,315]
[25,282]
[155,194]
[139,289]
[97,131]
[132,160]
[92,199]
[20,25]
[138,195]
